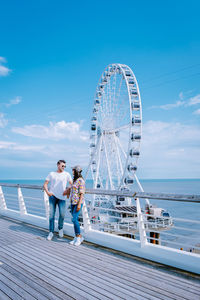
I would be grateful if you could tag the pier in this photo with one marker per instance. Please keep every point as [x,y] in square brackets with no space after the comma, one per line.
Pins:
[33,268]
[110,264]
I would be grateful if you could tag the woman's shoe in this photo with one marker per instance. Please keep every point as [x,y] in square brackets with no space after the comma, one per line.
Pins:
[78,241]
[73,241]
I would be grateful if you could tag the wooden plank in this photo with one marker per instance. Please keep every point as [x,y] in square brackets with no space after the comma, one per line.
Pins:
[50,287]
[156,283]
[129,261]
[21,287]
[34,289]
[104,275]
[63,284]
[75,269]
[86,256]
[5,289]
[18,290]
[94,287]
[162,293]
[152,274]
[3,296]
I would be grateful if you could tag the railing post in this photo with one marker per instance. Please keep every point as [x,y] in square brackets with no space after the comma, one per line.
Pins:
[2,200]
[22,205]
[46,204]
[86,219]
[142,231]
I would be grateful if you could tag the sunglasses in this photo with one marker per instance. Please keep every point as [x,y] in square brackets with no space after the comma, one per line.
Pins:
[63,166]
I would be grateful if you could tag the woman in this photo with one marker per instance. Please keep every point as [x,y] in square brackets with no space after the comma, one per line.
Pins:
[76,200]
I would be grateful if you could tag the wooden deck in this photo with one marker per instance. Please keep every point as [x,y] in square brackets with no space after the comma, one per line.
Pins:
[33,268]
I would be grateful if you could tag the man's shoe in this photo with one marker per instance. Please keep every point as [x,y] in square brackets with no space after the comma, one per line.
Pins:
[73,241]
[50,236]
[61,233]
[79,240]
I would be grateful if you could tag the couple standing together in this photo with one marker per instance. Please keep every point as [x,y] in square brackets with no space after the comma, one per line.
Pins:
[58,193]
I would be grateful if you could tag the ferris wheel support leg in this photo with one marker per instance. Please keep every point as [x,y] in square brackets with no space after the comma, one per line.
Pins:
[108,166]
[119,163]
[141,227]
[141,188]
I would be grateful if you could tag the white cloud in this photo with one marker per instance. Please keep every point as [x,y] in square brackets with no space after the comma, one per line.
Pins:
[21,147]
[170,150]
[4,71]
[172,105]
[197,112]
[55,131]
[194,100]
[14,101]
[3,121]
[6,145]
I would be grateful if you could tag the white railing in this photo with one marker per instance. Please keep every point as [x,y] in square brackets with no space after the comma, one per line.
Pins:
[168,239]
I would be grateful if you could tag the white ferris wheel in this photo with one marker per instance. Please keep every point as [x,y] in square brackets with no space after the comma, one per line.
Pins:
[116,128]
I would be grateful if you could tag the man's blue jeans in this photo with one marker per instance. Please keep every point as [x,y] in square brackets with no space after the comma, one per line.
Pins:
[53,201]
[75,221]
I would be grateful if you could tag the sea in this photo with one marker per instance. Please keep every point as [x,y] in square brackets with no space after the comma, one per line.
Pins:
[183,210]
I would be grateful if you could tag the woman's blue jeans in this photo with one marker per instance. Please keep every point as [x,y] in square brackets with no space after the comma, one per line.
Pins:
[53,201]
[75,221]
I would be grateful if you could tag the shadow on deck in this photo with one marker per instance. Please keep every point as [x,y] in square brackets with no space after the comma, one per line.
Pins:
[33,268]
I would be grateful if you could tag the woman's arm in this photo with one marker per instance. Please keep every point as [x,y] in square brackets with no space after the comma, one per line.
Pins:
[79,202]
[67,192]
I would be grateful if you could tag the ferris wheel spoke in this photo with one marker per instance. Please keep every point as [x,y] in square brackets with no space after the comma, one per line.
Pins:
[121,115]
[124,153]
[114,88]
[119,163]
[108,164]
[98,162]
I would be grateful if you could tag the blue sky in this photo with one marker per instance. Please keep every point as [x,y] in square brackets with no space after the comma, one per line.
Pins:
[52,54]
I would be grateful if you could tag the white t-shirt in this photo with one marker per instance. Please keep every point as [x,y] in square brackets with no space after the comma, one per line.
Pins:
[58,183]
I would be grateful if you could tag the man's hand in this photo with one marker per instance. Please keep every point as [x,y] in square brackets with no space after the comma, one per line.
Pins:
[50,194]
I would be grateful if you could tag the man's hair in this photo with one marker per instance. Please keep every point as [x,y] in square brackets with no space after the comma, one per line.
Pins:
[61,161]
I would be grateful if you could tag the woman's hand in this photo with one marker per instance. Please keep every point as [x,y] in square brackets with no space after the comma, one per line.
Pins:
[78,207]
[67,192]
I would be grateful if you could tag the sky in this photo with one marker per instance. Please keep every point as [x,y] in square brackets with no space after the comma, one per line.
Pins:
[52,54]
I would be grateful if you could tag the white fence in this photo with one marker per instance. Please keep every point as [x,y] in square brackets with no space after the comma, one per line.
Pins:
[150,233]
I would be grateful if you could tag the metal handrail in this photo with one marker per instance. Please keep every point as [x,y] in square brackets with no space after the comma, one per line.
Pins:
[143,195]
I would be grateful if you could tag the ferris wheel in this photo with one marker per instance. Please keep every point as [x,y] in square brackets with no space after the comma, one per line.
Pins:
[116,127]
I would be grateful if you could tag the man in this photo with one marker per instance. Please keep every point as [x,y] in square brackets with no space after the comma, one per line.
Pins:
[58,182]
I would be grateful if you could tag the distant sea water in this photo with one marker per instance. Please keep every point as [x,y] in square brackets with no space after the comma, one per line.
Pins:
[190,211]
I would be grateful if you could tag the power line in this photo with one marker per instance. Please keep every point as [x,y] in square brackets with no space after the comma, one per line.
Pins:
[169,81]
[170,73]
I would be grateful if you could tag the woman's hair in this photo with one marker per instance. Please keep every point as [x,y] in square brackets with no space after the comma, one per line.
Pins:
[77,175]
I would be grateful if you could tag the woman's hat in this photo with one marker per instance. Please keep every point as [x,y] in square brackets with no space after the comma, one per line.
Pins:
[77,168]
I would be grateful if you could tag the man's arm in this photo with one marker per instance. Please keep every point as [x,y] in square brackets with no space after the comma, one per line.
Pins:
[45,186]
